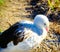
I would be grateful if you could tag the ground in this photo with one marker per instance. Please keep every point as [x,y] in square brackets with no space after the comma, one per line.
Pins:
[17,10]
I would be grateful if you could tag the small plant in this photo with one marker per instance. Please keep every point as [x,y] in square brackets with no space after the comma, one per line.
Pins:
[50,4]
[54,4]
[1,2]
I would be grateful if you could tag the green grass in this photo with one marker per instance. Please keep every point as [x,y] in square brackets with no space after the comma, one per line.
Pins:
[50,4]
[1,2]
[0,30]
[54,4]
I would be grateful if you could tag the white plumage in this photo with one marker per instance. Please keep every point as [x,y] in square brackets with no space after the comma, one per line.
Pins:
[34,32]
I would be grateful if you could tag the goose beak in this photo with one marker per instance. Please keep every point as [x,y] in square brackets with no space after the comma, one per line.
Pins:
[47,29]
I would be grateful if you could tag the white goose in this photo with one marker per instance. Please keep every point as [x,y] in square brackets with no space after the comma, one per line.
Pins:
[34,33]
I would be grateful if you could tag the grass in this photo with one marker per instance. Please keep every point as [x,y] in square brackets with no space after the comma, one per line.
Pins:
[54,4]
[2,5]
[50,4]
[1,2]
[0,30]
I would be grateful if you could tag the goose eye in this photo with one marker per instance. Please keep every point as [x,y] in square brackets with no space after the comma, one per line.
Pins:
[44,23]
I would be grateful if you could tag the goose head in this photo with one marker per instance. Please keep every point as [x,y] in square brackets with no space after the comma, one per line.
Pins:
[42,21]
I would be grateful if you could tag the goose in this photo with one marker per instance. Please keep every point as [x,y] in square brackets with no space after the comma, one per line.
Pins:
[31,34]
